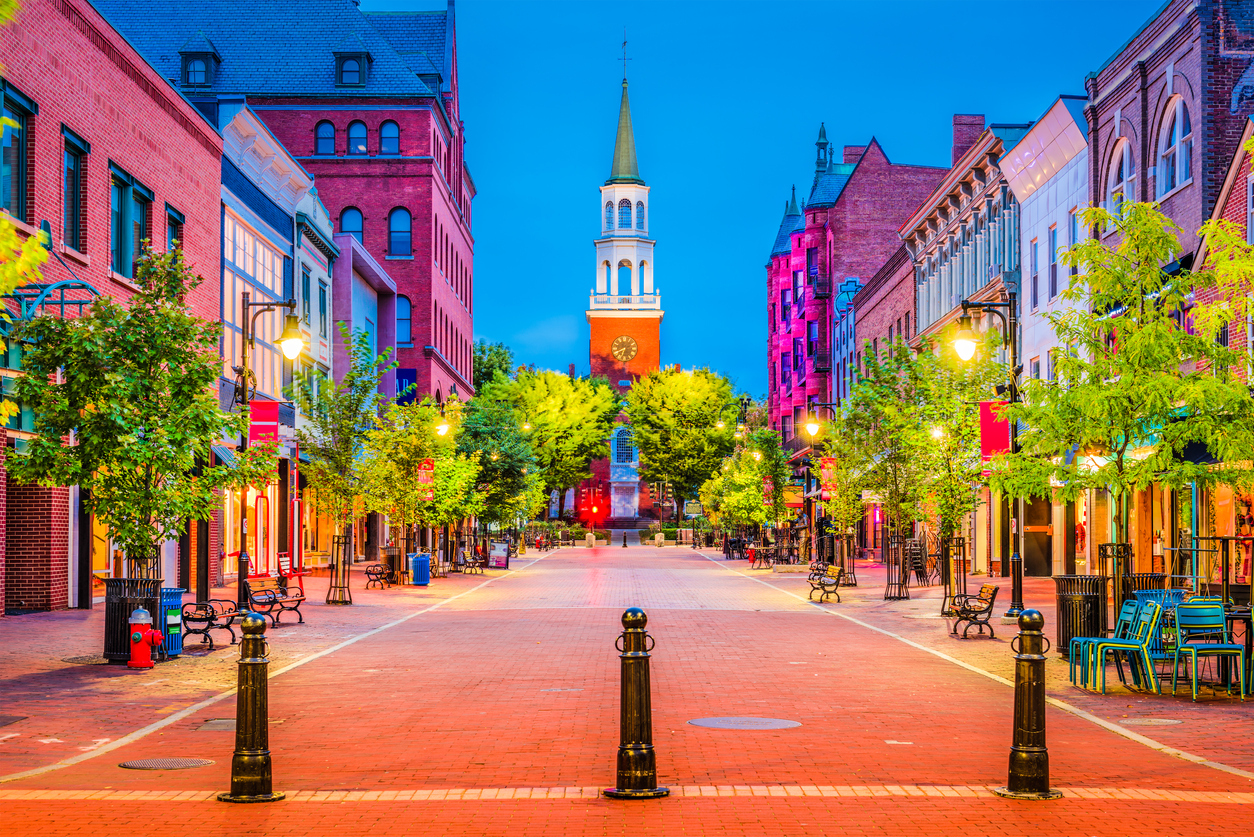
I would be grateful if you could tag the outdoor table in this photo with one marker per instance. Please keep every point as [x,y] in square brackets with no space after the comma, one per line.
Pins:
[1247,626]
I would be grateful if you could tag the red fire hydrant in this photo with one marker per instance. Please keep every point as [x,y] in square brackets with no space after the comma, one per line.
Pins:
[143,639]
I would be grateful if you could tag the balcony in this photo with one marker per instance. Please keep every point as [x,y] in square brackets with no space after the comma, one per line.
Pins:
[820,287]
[626,302]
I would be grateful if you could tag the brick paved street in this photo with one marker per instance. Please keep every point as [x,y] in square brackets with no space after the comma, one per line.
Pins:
[488,705]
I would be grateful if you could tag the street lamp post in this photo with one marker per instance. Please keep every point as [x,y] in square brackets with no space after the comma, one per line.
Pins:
[964,344]
[291,341]
[812,428]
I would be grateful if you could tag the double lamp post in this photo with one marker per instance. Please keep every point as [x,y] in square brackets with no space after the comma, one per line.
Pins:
[291,342]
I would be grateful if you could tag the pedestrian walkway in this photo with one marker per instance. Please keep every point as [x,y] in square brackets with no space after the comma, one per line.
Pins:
[494,710]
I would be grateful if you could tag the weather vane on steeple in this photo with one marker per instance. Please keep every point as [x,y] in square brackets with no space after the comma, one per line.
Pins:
[625,58]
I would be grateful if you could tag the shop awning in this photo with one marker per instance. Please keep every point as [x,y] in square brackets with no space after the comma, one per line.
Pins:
[225,455]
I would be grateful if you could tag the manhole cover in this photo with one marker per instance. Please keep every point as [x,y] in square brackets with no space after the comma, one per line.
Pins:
[89,660]
[744,723]
[1148,722]
[165,764]
[5,720]
[224,724]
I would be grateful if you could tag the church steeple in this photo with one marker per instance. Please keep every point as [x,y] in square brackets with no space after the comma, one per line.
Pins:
[624,168]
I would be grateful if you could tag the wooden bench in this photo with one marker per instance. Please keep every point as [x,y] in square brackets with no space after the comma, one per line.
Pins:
[828,582]
[378,574]
[975,610]
[203,617]
[267,594]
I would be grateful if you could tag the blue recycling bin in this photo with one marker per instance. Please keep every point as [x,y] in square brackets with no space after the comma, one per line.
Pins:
[171,621]
[419,569]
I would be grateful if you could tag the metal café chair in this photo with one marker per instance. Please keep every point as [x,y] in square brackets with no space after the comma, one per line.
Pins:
[1205,621]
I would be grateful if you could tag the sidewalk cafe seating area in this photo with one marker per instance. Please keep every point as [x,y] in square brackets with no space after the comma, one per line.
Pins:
[1164,632]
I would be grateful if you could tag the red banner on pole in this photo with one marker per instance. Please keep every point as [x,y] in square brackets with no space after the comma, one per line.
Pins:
[426,476]
[263,424]
[827,473]
[994,429]
[768,491]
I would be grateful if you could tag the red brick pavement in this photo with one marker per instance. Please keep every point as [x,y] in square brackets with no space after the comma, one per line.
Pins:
[514,685]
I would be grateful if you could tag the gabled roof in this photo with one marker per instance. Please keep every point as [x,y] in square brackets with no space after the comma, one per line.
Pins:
[270,47]
[793,222]
[198,43]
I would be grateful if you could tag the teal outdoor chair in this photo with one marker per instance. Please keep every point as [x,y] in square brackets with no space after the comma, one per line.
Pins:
[1081,646]
[1137,646]
[1205,623]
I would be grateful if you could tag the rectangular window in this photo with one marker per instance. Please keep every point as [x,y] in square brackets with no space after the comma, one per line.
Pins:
[1036,290]
[1035,366]
[129,223]
[173,228]
[139,230]
[785,305]
[812,261]
[117,228]
[1053,262]
[812,338]
[13,162]
[889,341]
[305,302]
[72,198]
[907,331]
[322,308]
[1049,364]
[1073,234]
[799,291]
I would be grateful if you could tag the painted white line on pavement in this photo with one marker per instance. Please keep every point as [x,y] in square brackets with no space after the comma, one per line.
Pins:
[1063,705]
[207,702]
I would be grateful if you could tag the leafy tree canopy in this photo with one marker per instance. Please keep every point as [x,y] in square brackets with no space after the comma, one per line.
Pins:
[491,360]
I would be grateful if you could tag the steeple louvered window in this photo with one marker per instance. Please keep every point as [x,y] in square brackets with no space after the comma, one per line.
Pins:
[640,215]
[624,214]
[609,215]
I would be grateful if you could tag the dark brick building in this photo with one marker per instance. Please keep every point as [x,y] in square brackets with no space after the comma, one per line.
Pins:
[116,137]
[846,228]
[368,104]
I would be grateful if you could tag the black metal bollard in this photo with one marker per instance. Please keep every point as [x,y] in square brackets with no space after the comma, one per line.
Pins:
[624,540]
[1028,776]
[250,766]
[637,762]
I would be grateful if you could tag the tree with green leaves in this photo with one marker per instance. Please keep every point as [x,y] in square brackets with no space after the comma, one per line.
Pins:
[339,416]
[509,470]
[491,360]
[748,488]
[1144,378]
[683,423]
[567,422]
[849,464]
[133,386]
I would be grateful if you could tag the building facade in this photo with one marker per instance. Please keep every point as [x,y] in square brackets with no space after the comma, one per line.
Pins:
[1047,171]
[111,161]
[846,228]
[370,107]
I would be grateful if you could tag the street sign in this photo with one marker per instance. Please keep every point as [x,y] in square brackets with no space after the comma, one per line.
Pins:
[692,507]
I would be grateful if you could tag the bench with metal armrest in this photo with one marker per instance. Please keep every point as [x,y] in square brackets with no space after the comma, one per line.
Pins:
[828,581]
[378,574]
[203,617]
[271,596]
[975,610]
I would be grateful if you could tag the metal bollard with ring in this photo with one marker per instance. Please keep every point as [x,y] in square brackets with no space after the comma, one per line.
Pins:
[251,775]
[1028,777]
[637,762]
[624,540]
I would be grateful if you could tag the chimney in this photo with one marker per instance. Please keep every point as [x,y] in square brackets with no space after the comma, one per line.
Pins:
[853,152]
[967,129]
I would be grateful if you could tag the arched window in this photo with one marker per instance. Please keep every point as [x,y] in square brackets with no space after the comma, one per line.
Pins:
[624,214]
[640,215]
[609,215]
[624,277]
[357,138]
[325,142]
[1121,184]
[404,320]
[624,450]
[196,71]
[1175,148]
[398,232]
[350,222]
[350,71]
[389,138]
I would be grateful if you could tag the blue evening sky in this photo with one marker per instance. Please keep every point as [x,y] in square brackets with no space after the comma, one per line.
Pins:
[726,100]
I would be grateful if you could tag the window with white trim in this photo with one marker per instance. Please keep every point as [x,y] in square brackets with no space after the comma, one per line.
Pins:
[1121,184]
[1176,148]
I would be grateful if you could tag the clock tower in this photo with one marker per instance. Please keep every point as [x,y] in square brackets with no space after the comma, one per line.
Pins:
[625,309]
[624,317]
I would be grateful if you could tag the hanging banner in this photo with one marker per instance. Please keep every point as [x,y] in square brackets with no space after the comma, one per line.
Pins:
[994,430]
[426,476]
[827,473]
[768,491]
[263,422]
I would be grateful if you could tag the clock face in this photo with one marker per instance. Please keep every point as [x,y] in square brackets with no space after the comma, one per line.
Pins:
[623,348]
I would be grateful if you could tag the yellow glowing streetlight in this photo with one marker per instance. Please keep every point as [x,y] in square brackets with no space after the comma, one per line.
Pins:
[964,339]
[938,432]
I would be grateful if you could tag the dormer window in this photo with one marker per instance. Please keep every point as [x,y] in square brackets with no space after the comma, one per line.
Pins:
[196,72]
[199,61]
[350,71]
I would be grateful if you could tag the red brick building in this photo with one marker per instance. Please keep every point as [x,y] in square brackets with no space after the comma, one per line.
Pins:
[884,308]
[846,228]
[368,104]
[118,144]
